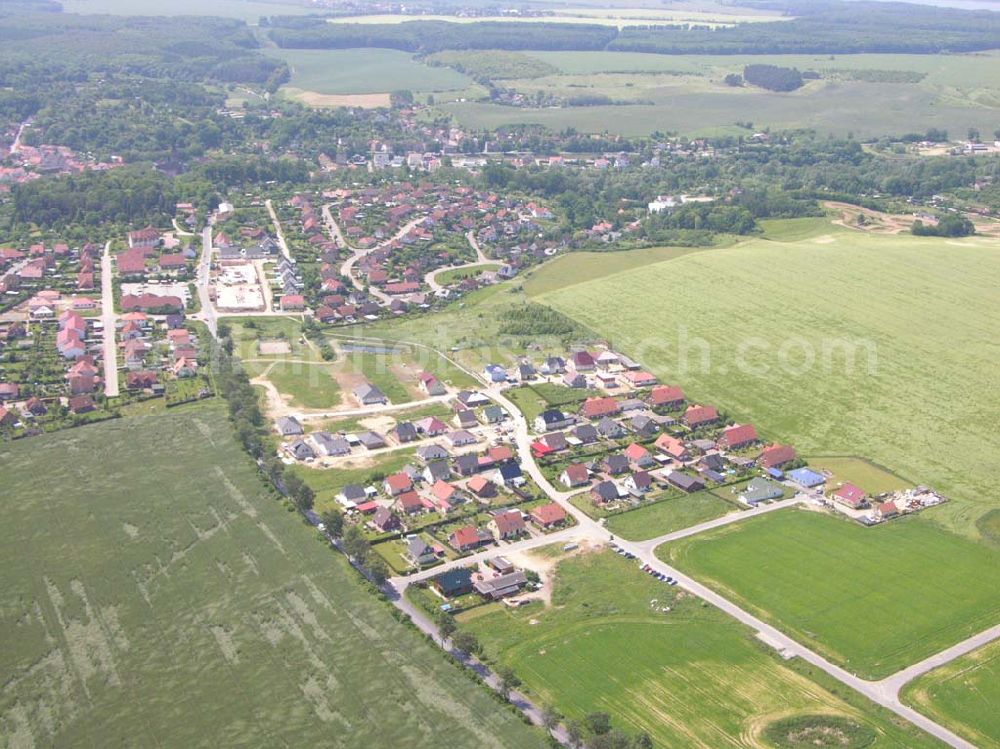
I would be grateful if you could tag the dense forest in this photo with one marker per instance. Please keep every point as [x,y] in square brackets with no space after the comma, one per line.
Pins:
[817,26]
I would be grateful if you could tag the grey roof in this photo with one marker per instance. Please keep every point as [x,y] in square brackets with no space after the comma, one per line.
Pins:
[365,391]
[555,440]
[616,463]
[606,490]
[288,425]
[760,490]
[371,440]
[501,585]
[585,433]
[431,452]
[302,451]
[416,547]
[331,445]
[353,492]
[685,482]
[438,469]
[466,464]
[608,427]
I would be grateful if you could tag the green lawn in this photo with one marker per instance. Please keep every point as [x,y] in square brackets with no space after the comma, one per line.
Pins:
[326,482]
[873,599]
[667,516]
[154,594]
[363,71]
[918,397]
[690,678]
[307,385]
[860,472]
[576,267]
[446,277]
[963,695]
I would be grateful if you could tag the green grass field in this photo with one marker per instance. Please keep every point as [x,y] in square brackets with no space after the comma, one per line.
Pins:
[155,595]
[963,695]
[446,277]
[686,93]
[306,385]
[363,71]
[920,395]
[873,599]
[690,678]
[667,516]
[860,472]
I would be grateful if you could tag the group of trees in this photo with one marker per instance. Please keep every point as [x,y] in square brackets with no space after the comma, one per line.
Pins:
[951,225]
[773,77]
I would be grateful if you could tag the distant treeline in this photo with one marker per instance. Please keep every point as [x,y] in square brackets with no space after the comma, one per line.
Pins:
[817,27]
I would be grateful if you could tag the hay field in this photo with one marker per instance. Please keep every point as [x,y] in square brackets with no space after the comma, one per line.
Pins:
[874,600]
[690,677]
[155,595]
[842,344]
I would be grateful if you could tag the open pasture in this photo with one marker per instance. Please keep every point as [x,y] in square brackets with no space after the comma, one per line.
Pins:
[963,695]
[153,588]
[867,95]
[365,71]
[873,599]
[690,677]
[846,344]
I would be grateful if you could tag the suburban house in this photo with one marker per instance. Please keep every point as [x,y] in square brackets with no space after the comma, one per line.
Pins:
[418,553]
[638,455]
[552,420]
[603,493]
[371,440]
[595,408]
[737,436]
[351,495]
[670,446]
[468,538]
[667,397]
[331,446]
[574,475]
[852,496]
[385,521]
[760,490]
[638,483]
[615,465]
[548,515]
[369,395]
[461,438]
[429,453]
[886,510]
[466,418]
[555,441]
[807,477]
[609,428]
[775,456]
[431,427]
[288,426]
[444,494]
[697,416]
[585,433]
[456,582]
[582,361]
[482,487]
[507,524]
[408,503]
[509,474]
[494,588]
[638,379]
[431,385]
[437,470]
[467,465]
[404,432]
[396,484]
[300,450]
[684,482]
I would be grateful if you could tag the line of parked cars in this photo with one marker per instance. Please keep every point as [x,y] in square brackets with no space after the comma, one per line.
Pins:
[645,568]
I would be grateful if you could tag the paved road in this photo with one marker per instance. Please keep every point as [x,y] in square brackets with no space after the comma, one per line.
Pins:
[110,321]
[884,693]
[207,314]
[277,229]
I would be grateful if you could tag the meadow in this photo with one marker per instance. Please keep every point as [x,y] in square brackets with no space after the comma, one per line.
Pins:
[690,677]
[154,593]
[849,344]
[364,71]
[867,95]
[873,599]
[963,695]
[668,516]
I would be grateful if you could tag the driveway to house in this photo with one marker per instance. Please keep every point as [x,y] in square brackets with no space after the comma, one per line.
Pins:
[110,322]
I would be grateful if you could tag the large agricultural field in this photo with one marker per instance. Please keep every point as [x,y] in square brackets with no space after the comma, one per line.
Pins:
[963,695]
[919,397]
[245,10]
[690,677]
[365,71]
[155,594]
[874,599]
[867,95]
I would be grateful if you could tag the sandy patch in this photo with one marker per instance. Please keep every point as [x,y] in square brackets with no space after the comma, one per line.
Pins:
[546,566]
[825,239]
[363,101]
[272,347]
